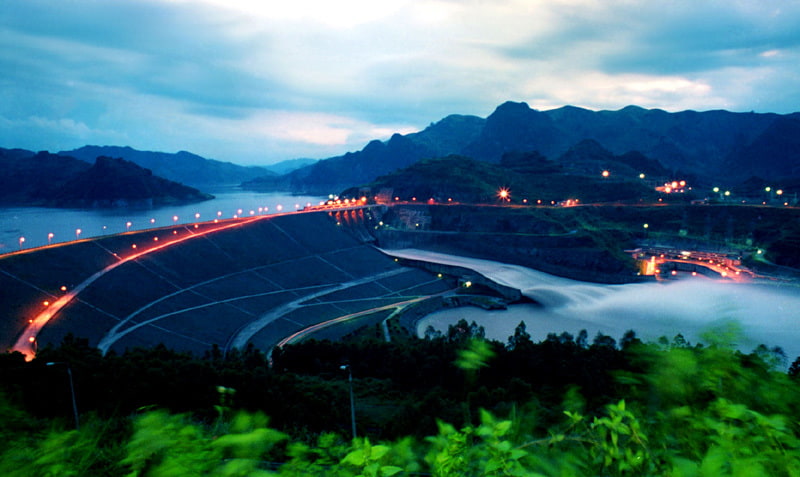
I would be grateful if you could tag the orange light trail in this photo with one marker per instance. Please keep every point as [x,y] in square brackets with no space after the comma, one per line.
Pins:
[26,343]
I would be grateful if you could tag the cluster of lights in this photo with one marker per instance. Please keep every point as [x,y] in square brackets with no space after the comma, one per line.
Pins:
[672,187]
[336,201]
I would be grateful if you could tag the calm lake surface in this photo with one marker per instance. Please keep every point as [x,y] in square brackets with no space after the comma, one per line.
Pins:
[766,313]
[35,223]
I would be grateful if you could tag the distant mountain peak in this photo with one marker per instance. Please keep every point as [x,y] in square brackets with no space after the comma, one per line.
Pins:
[703,144]
[513,106]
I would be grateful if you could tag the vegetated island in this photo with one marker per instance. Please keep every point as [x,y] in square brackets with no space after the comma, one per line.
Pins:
[52,180]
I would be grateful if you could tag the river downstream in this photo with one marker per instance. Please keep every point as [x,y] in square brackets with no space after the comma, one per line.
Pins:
[768,314]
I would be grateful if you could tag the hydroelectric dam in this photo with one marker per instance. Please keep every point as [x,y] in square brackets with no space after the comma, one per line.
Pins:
[222,284]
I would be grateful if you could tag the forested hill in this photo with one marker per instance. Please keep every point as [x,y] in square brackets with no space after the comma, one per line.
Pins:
[61,181]
[183,167]
[728,146]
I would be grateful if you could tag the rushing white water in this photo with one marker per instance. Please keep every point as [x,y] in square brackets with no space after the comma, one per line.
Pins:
[768,314]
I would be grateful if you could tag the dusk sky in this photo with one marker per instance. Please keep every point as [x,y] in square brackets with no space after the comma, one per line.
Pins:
[256,82]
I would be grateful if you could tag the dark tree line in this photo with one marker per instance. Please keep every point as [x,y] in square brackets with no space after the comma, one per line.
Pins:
[401,388]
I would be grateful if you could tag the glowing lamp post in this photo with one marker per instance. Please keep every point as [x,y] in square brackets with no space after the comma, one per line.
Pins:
[50,238]
[21,242]
[504,195]
[78,234]
[128,226]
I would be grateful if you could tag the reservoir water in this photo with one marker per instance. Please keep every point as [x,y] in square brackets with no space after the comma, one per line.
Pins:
[34,224]
[767,313]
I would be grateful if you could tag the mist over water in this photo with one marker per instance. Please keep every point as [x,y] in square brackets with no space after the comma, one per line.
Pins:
[767,313]
[35,223]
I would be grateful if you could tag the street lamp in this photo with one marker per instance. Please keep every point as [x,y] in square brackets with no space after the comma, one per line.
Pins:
[128,226]
[50,238]
[504,195]
[78,234]
[21,241]
[71,391]
[352,402]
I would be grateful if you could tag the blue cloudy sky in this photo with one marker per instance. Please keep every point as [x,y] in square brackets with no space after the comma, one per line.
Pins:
[258,81]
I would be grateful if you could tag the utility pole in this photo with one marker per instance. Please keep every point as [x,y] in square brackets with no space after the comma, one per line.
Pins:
[71,392]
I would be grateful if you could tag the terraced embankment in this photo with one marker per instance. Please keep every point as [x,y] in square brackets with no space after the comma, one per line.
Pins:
[255,281]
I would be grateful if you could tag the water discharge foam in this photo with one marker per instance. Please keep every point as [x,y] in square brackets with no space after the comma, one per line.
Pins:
[768,314]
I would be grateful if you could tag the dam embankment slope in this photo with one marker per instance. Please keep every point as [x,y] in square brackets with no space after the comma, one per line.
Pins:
[208,289]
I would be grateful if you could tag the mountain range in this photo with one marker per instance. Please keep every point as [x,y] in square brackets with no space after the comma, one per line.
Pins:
[183,167]
[61,181]
[719,147]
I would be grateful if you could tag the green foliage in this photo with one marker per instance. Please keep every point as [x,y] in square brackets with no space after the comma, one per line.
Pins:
[482,450]
[676,410]
[171,445]
[475,355]
[91,451]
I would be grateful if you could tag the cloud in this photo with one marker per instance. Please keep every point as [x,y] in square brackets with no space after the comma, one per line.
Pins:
[260,81]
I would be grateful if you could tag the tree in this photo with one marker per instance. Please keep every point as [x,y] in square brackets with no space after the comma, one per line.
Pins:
[604,341]
[794,369]
[432,333]
[629,339]
[583,339]
[521,337]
